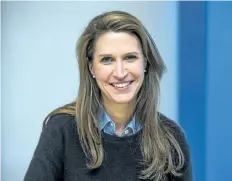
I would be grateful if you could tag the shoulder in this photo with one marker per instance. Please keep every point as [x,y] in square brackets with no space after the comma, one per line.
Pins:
[59,121]
[172,126]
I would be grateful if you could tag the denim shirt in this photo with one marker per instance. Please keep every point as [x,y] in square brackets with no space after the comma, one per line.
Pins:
[108,126]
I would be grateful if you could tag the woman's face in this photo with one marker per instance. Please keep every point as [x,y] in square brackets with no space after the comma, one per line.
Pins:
[118,66]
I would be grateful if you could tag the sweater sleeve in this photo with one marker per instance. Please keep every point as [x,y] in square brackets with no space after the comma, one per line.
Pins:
[47,160]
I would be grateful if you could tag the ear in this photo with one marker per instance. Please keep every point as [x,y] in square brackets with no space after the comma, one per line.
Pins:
[145,63]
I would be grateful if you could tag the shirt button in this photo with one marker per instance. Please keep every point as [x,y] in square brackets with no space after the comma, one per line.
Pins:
[126,132]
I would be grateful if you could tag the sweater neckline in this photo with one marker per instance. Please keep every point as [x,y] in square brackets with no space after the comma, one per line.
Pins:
[114,138]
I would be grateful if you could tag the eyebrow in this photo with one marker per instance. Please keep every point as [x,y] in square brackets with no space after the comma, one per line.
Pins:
[110,55]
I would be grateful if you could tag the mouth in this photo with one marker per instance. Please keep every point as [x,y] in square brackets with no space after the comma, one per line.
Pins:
[123,85]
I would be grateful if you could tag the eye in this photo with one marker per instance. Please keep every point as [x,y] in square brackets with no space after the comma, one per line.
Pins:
[107,60]
[130,58]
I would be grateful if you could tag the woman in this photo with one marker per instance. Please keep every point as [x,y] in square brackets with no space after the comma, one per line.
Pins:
[113,131]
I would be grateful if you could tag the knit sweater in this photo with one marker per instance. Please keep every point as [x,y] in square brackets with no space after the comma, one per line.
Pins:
[59,155]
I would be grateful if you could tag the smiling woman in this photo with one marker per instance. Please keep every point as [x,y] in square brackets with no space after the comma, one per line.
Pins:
[113,131]
[118,67]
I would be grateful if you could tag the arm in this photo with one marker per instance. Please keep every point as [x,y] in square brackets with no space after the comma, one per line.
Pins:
[47,161]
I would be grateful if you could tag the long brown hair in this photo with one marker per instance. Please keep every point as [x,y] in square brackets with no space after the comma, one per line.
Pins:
[156,140]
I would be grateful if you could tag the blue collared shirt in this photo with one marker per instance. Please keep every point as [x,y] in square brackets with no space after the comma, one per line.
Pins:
[108,126]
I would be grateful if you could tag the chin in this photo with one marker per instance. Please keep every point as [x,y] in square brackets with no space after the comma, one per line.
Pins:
[122,99]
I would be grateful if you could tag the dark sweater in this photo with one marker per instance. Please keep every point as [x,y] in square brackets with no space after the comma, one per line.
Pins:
[59,156]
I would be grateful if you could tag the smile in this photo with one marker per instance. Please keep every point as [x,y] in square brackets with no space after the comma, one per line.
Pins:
[122,85]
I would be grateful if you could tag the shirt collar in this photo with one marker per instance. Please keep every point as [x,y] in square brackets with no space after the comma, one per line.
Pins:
[106,120]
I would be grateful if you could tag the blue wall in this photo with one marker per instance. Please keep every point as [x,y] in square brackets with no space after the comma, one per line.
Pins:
[205,86]
[192,80]
[219,91]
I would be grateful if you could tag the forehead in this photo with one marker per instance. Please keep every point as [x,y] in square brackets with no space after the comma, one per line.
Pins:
[117,43]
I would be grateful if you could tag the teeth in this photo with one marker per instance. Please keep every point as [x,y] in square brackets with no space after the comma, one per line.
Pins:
[121,85]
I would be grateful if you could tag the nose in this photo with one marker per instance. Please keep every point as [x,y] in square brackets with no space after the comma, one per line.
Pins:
[119,70]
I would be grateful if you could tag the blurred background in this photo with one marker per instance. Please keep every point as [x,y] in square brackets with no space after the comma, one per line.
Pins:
[39,73]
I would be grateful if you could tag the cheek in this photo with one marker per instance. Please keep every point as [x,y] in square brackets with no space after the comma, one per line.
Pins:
[137,67]
[138,71]
[102,73]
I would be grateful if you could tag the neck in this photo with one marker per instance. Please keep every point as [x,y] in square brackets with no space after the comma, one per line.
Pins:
[121,114]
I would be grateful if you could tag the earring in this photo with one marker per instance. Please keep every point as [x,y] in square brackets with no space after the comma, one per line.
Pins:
[93,76]
[145,70]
